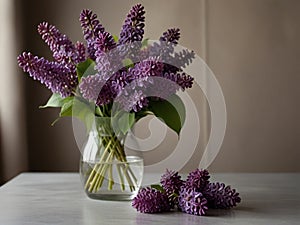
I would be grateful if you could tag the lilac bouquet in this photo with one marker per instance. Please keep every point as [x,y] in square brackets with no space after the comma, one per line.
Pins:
[111,82]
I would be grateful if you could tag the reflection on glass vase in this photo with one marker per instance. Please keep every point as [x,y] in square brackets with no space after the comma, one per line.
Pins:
[105,171]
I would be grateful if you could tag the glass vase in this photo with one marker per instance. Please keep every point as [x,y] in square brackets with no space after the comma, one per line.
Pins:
[105,170]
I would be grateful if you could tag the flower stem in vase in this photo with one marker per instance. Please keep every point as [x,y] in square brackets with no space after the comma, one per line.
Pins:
[113,151]
[122,185]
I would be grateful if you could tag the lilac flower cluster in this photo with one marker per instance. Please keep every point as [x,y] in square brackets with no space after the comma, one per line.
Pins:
[60,75]
[57,77]
[133,28]
[171,182]
[171,35]
[198,179]
[220,196]
[64,51]
[194,196]
[192,201]
[149,200]
[154,71]
[91,28]
[146,63]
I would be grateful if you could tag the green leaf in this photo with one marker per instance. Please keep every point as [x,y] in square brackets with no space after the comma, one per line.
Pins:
[85,68]
[98,111]
[84,111]
[66,109]
[126,121]
[55,101]
[171,111]
[157,187]
[75,107]
[115,37]
[80,109]
[127,63]
[122,122]
[55,121]
[103,124]
[145,42]
[173,195]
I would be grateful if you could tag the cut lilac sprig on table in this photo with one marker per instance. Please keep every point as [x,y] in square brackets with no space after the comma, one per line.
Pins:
[171,183]
[196,195]
[150,200]
[198,179]
[220,196]
[192,202]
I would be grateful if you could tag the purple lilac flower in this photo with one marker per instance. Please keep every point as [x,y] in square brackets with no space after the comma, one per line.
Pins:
[104,42]
[220,196]
[133,28]
[184,80]
[90,25]
[90,87]
[106,95]
[171,36]
[81,51]
[147,79]
[161,88]
[197,179]
[171,182]
[174,61]
[120,80]
[149,200]
[178,60]
[175,82]
[91,28]
[107,57]
[108,65]
[105,65]
[95,89]
[168,40]
[183,58]
[132,100]
[64,51]
[132,32]
[57,77]
[139,78]
[147,68]
[192,202]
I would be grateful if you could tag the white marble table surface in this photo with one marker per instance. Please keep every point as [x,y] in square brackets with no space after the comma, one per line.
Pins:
[58,198]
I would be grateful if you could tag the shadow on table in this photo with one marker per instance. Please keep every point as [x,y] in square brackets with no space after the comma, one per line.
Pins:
[229,213]
[183,218]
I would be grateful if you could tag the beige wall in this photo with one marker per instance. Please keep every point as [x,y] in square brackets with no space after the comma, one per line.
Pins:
[252,46]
